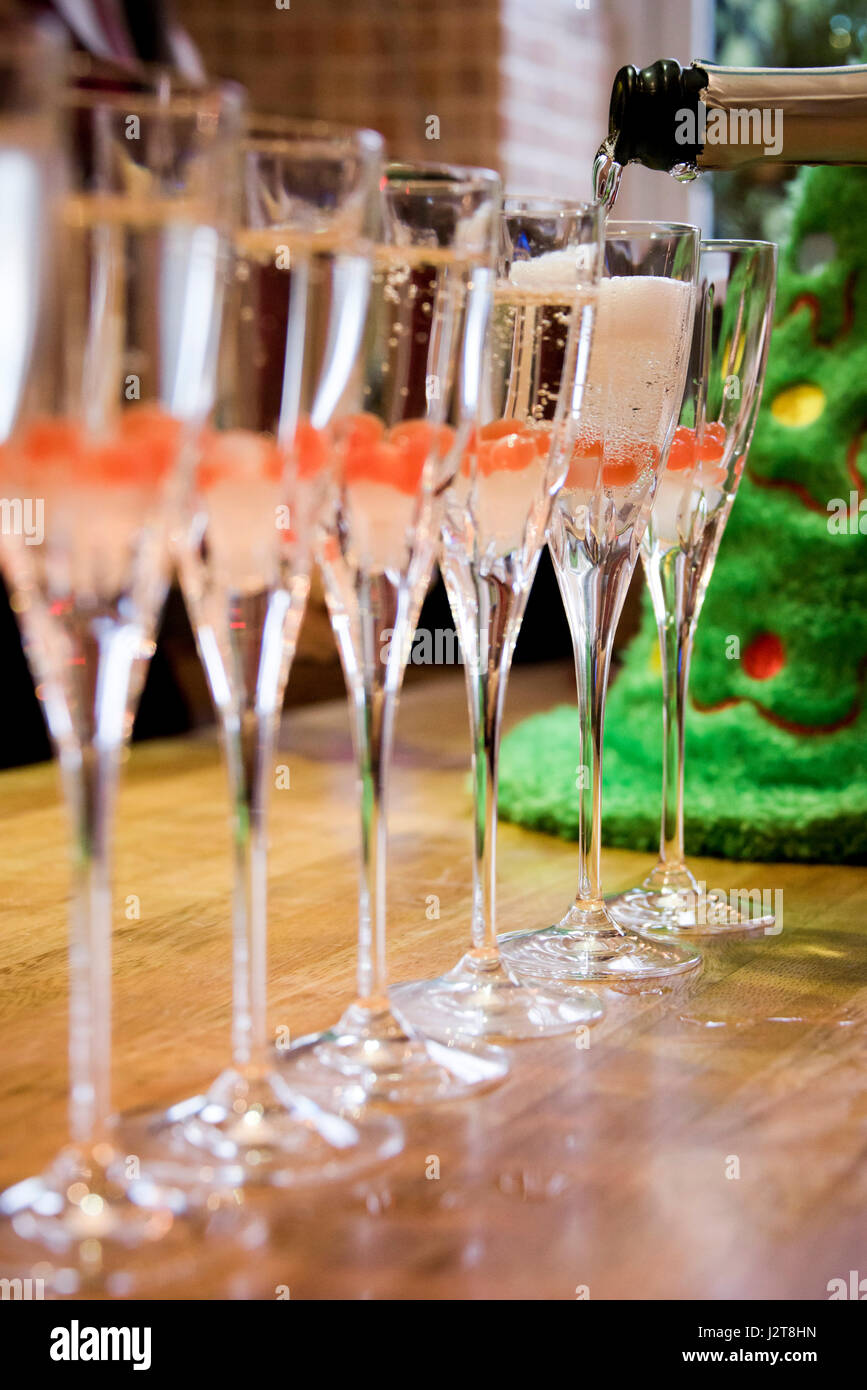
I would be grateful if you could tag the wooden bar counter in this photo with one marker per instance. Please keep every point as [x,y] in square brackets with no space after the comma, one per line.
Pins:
[707,1144]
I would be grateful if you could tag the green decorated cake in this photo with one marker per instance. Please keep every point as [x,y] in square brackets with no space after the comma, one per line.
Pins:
[776,733]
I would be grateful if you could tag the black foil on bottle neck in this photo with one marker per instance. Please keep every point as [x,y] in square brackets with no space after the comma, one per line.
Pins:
[646,105]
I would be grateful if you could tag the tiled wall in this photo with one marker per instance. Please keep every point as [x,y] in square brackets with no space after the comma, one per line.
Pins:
[518,84]
[555,82]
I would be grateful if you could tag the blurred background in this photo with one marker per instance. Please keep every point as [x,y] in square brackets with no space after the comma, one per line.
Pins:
[521,86]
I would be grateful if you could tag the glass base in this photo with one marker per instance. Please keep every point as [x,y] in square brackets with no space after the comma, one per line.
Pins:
[78,1224]
[677,909]
[88,1228]
[252,1128]
[371,1056]
[589,945]
[479,999]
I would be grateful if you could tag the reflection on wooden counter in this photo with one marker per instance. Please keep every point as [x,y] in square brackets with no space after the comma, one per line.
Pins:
[703,1145]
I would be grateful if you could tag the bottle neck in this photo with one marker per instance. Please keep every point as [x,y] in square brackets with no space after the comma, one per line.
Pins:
[645,114]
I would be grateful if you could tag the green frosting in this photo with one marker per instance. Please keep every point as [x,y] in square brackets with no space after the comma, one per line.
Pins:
[776,766]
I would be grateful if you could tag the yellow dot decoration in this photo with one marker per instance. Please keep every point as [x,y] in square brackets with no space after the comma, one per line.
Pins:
[798,406]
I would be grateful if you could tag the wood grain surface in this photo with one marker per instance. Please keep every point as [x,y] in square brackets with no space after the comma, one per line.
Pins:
[609,1168]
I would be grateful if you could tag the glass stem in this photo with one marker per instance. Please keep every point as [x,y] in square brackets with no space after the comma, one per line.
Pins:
[267,625]
[488,651]
[90,774]
[592,659]
[250,742]
[373,703]
[666,575]
[593,598]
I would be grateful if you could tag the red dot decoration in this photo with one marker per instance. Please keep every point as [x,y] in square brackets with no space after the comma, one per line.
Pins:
[764,656]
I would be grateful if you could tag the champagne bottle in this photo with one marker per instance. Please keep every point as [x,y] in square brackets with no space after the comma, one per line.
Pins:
[705,117]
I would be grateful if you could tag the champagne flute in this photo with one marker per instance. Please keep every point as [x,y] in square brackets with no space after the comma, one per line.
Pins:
[635,383]
[695,496]
[419,368]
[497,513]
[291,332]
[120,388]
